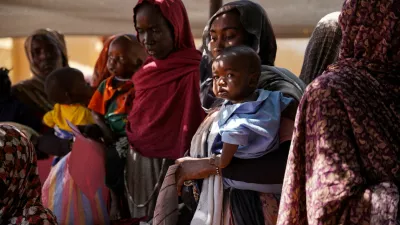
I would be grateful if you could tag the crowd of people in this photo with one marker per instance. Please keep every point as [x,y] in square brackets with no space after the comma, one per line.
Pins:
[166,134]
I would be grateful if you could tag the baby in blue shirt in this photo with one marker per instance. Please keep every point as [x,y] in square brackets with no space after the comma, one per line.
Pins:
[249,119]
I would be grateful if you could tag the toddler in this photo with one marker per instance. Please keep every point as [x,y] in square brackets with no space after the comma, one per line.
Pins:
[111,103]
[249,119]
[67,88]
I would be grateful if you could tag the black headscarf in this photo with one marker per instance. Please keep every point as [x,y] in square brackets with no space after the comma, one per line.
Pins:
[323,47]
[256,23]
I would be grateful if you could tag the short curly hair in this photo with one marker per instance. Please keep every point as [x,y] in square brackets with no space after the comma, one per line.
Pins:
[61,83]
[5,83]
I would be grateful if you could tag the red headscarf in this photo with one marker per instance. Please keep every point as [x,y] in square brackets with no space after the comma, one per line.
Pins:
[167,111]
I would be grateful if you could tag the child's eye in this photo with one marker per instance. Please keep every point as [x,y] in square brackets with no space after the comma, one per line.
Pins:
[230,75]
[215,77]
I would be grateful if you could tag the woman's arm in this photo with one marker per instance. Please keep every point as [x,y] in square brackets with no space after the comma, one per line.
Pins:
[193,169]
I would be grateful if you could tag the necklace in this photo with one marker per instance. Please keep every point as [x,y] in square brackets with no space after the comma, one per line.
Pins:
[121,79]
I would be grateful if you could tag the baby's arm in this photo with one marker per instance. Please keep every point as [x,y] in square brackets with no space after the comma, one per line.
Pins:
[48,119]
[228,150]
[99,119]
[232,138]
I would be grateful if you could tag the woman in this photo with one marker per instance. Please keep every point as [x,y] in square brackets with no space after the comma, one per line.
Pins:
[166,111]
[323,47]
[236,23]
[344,164]
[19,181]
[46,51]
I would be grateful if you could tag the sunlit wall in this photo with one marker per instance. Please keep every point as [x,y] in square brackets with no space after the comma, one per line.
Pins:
[84,50]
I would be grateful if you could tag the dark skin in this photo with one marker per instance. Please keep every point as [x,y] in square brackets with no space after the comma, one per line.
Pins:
[125,57]
[233,81]
[226,30]
[154,32]
[46,57]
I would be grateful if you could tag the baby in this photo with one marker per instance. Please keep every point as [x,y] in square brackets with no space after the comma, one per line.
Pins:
[249,119]
[67,88]
[111,103]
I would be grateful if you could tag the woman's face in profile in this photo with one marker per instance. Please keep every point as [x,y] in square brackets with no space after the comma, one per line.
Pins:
[46,57]
[226,30]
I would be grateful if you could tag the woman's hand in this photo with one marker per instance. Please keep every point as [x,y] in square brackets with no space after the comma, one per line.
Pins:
[192,169]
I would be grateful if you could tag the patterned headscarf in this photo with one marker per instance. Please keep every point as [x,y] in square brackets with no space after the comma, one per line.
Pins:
[55,37]
[344,165]
[323,47]
[20,187]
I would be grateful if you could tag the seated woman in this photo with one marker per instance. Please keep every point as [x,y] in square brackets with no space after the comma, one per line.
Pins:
[343,167]
[240,23]
[20,187]
[323,48]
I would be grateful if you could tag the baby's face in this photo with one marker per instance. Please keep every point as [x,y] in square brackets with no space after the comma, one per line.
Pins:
[231,78]
[122,61]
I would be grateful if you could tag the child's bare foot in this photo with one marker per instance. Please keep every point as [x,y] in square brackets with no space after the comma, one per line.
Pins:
[115,213]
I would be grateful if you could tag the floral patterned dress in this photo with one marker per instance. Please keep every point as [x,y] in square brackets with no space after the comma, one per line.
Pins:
[20,187]
[344,164]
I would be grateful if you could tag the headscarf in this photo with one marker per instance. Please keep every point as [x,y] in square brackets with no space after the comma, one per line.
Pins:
[100,72]
[20,187]
[56,38]
[167,111]
[344,165]
[31,91]
[255,21]
[323,47]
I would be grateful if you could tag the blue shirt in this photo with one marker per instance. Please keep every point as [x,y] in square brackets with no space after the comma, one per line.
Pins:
[254,126]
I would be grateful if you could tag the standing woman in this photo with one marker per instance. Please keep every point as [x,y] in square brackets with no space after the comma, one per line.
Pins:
[323,47]
[166,111]
[46,51]
[343,167]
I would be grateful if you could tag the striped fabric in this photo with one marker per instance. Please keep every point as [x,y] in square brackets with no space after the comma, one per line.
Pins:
[68,203]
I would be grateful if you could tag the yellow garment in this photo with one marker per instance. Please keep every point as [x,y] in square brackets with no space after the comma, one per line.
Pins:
[76,114]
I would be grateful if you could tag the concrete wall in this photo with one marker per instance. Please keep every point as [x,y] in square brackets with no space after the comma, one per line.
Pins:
[84,50]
